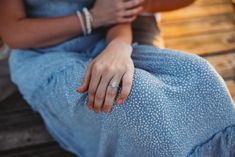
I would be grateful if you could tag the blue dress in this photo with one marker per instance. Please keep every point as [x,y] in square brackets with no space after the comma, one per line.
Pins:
[179,106]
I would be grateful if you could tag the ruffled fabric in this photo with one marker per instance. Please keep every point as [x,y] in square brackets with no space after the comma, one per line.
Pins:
[222,144]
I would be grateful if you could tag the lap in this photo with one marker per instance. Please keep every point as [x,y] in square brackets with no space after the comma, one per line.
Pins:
[173,94]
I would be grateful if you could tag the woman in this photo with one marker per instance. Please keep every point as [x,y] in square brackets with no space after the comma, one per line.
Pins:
[169,104]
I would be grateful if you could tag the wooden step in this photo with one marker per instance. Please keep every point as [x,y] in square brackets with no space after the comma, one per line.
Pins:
[203,44]
[22,128]
[195,11]
[205,2]
[43,150]
[197,26]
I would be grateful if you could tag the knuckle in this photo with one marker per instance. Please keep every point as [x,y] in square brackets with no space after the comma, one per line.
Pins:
[108,69]
[119,20]
[98,66]
[96,108]
[136,2]
[128,83]
[118,7]
[136,11]
[111,92]
[91,91]
[99,97]
[107,107]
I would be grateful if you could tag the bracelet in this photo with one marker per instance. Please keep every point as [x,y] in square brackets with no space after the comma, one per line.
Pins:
[82,22]
[4,52]
[89,20]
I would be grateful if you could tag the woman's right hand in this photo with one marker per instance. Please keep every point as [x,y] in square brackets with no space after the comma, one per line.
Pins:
[108,12]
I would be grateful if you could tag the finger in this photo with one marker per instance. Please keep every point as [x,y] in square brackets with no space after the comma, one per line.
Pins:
[83,87]
[132,12]
[100,92]
[127,19]
[94,82]
[111,94]
[132,3]
[127,80]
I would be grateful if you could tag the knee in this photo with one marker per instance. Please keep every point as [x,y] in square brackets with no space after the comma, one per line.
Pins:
[197,66]
[205,70]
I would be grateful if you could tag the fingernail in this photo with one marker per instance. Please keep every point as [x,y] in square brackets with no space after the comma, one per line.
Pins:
[120,101]
[90,105]
[79,89]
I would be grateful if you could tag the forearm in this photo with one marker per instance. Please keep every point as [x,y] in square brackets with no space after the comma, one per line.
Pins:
[41,32]
[120,37]
[165,5]
[121,32]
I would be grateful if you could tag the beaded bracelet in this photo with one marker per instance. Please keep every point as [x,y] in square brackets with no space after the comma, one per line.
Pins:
[82,22]
[89,20]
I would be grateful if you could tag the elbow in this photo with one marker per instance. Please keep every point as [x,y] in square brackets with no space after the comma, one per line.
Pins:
[7,36]
[11,35]
[10,41]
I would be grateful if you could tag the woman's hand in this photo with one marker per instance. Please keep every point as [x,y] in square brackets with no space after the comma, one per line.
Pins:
[108,12]
[113,64]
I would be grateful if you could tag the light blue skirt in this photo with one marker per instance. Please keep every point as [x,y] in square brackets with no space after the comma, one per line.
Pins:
[179,106]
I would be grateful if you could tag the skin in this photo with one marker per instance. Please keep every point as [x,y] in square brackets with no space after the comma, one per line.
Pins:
[110,65]
[165,5]
[41,32]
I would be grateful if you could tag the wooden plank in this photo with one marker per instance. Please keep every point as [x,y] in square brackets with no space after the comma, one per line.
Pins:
[206,2]
[224,64]
[189,27]
[204,43]
[20,126]
[44,150]
[27,136]
[197,11]
[14,112]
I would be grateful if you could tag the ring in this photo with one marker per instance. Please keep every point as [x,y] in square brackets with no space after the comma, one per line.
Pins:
[114,84]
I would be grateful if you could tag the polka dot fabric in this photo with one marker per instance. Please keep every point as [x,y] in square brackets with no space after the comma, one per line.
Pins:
[179,105]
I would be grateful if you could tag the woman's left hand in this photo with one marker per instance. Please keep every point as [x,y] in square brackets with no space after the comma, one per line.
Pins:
[113,64]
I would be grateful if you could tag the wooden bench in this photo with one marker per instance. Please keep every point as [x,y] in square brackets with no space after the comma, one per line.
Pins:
[22,132]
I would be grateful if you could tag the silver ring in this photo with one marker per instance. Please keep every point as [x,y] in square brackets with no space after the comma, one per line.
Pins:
[114,84]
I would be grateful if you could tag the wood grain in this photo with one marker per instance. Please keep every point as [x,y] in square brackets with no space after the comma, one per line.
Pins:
[203,43]
[207,2]
[195,11]
[43,150]
[196,26]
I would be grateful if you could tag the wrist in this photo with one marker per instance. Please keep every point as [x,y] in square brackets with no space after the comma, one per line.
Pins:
[121,44]
[95,23]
